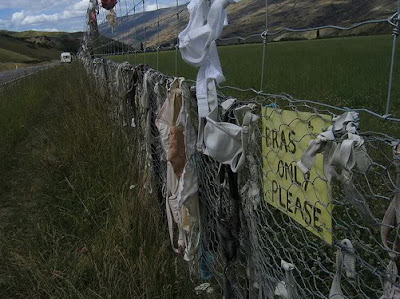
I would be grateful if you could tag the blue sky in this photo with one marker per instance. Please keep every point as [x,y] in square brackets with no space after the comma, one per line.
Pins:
[57,15]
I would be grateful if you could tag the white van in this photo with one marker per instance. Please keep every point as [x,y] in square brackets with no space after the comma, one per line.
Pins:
[66,57]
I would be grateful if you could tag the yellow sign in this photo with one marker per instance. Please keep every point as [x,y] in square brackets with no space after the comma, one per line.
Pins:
[304,198]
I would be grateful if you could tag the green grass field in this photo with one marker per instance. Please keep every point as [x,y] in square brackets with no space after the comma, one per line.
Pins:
[351,72]
[7,66]
[70,224]
[6,55]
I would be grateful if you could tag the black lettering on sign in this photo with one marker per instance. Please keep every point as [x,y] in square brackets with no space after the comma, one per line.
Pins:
[283,205]
[317,214]
[267,137]
[298,207]
[308,209]
[279,140]
[283,142]
[281,169]
[295,176]
[291,142]
[275,139]
[289,171]
[310,214]
[306,181]
[288,201]
[288,174]
[275,187]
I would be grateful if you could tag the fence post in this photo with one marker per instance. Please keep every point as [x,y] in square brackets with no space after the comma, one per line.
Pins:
[392,62]
[177,40]
[265,39]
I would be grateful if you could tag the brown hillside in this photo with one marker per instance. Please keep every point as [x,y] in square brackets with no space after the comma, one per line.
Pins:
[248,17]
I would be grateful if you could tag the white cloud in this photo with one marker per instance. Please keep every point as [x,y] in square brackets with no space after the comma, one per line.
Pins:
[43,17]
[37,5]
[46,29]
[17,16]
[81,5]
[151,7]
[66,15]
[50,19]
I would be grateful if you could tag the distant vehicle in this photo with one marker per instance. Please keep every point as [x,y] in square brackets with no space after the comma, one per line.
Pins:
[66,57]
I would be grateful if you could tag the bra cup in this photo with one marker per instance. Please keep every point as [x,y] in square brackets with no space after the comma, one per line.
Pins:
[195,48]
[193,39]
[223,141]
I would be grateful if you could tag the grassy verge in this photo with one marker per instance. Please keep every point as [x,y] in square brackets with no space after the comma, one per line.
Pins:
[7,66]
[73,221]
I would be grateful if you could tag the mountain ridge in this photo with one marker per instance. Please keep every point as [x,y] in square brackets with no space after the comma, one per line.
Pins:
[247,17]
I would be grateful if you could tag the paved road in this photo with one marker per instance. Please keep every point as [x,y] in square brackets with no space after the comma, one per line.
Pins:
[9,76]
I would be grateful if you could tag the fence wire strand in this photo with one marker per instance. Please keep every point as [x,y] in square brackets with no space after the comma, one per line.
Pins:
[266,235]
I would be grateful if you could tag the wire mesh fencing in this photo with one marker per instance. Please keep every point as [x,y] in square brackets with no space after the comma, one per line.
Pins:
[145,29]
[314,213]
[282,233]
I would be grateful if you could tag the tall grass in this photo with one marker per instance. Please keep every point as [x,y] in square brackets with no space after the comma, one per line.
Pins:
[75,221]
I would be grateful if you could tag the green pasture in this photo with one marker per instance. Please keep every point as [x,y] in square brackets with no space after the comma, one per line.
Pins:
[346,72]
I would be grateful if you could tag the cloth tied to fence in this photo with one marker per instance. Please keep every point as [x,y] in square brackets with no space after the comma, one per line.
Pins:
[225,142]
[111,17]
[262,236]
[178,140]
[198,48]
[391,220]
[344,149]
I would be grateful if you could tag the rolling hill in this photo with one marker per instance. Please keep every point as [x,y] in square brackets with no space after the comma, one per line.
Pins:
[248,17]
[34,46]
[11,56]
[18,50]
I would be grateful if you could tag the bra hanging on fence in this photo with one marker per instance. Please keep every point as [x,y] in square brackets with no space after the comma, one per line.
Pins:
[391,221]
[178,140]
